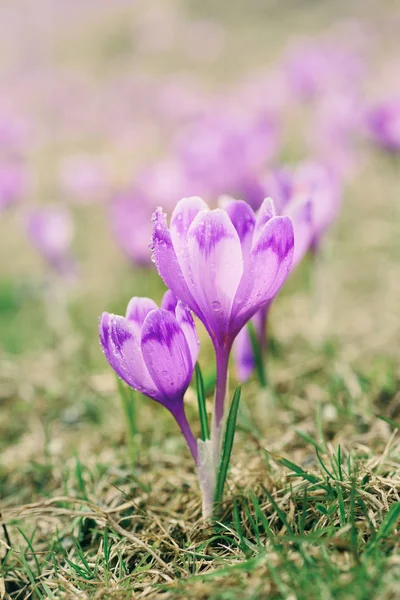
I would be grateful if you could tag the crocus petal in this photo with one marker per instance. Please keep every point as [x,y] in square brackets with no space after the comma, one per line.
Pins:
[270,262]
[243,355]
[215,269]
[182,217]
[300,212]
[167,356]
[169,301]
[120,340]
[265,213]
[243,219]
[138,309]
[185,320]
[167,262]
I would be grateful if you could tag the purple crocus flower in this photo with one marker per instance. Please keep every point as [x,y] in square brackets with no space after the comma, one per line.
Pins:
[225,265]
[321,185]
[154,350]
[310,196]
[50,230]
[299,210]
[383,124]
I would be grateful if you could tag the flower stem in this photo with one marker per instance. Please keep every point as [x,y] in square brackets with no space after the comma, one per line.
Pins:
[262,329]
[222,361]
[222,356]
[181,419]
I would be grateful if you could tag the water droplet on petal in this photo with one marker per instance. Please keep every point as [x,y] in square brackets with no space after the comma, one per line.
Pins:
[216,305]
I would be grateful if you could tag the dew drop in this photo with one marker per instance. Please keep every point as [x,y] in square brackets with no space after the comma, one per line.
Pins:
[216,305]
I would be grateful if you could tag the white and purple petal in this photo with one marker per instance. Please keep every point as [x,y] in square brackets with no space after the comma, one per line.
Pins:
[266,212]
[167,356]
[169,301]
[138,309]
[300,211]
[186,321]
[270,263]
[215,269]
[243,355]
[167,262]
[243,220]
[120,340]
[182,217]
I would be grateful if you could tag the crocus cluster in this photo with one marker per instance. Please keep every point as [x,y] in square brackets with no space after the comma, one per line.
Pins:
[223,265]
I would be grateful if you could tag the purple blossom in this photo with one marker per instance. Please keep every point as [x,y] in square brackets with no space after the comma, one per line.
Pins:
[154,350]
[226,153]
[50,230]
[130,222]
[310,196]
[383,124]
[336,124]
[12,184]
[84,178]
[314,67]
[225,265]
[309,181]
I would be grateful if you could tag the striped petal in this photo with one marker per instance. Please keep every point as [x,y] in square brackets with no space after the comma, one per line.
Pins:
[167,262]
[186,322]
[270,262]
[138,309]
[120,340]
[215,269]
[167,355]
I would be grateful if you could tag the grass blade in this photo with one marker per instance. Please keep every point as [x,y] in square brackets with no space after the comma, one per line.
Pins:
[128,399]
[258,355]
[228,444]
[201,400]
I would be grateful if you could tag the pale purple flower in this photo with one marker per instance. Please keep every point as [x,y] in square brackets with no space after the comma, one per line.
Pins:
[162,181]
[13,183]
[318,183]
[310,196]
[225,265]
[309,181]
[154,350]
[336,123]
[316,66]
[84,178]
[50,230]
[300,211]
[130,218]
[383,124]
[225,153]
[131,211]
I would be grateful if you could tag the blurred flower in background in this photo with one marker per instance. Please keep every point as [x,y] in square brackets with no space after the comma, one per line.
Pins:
[50,230]
[383,124]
